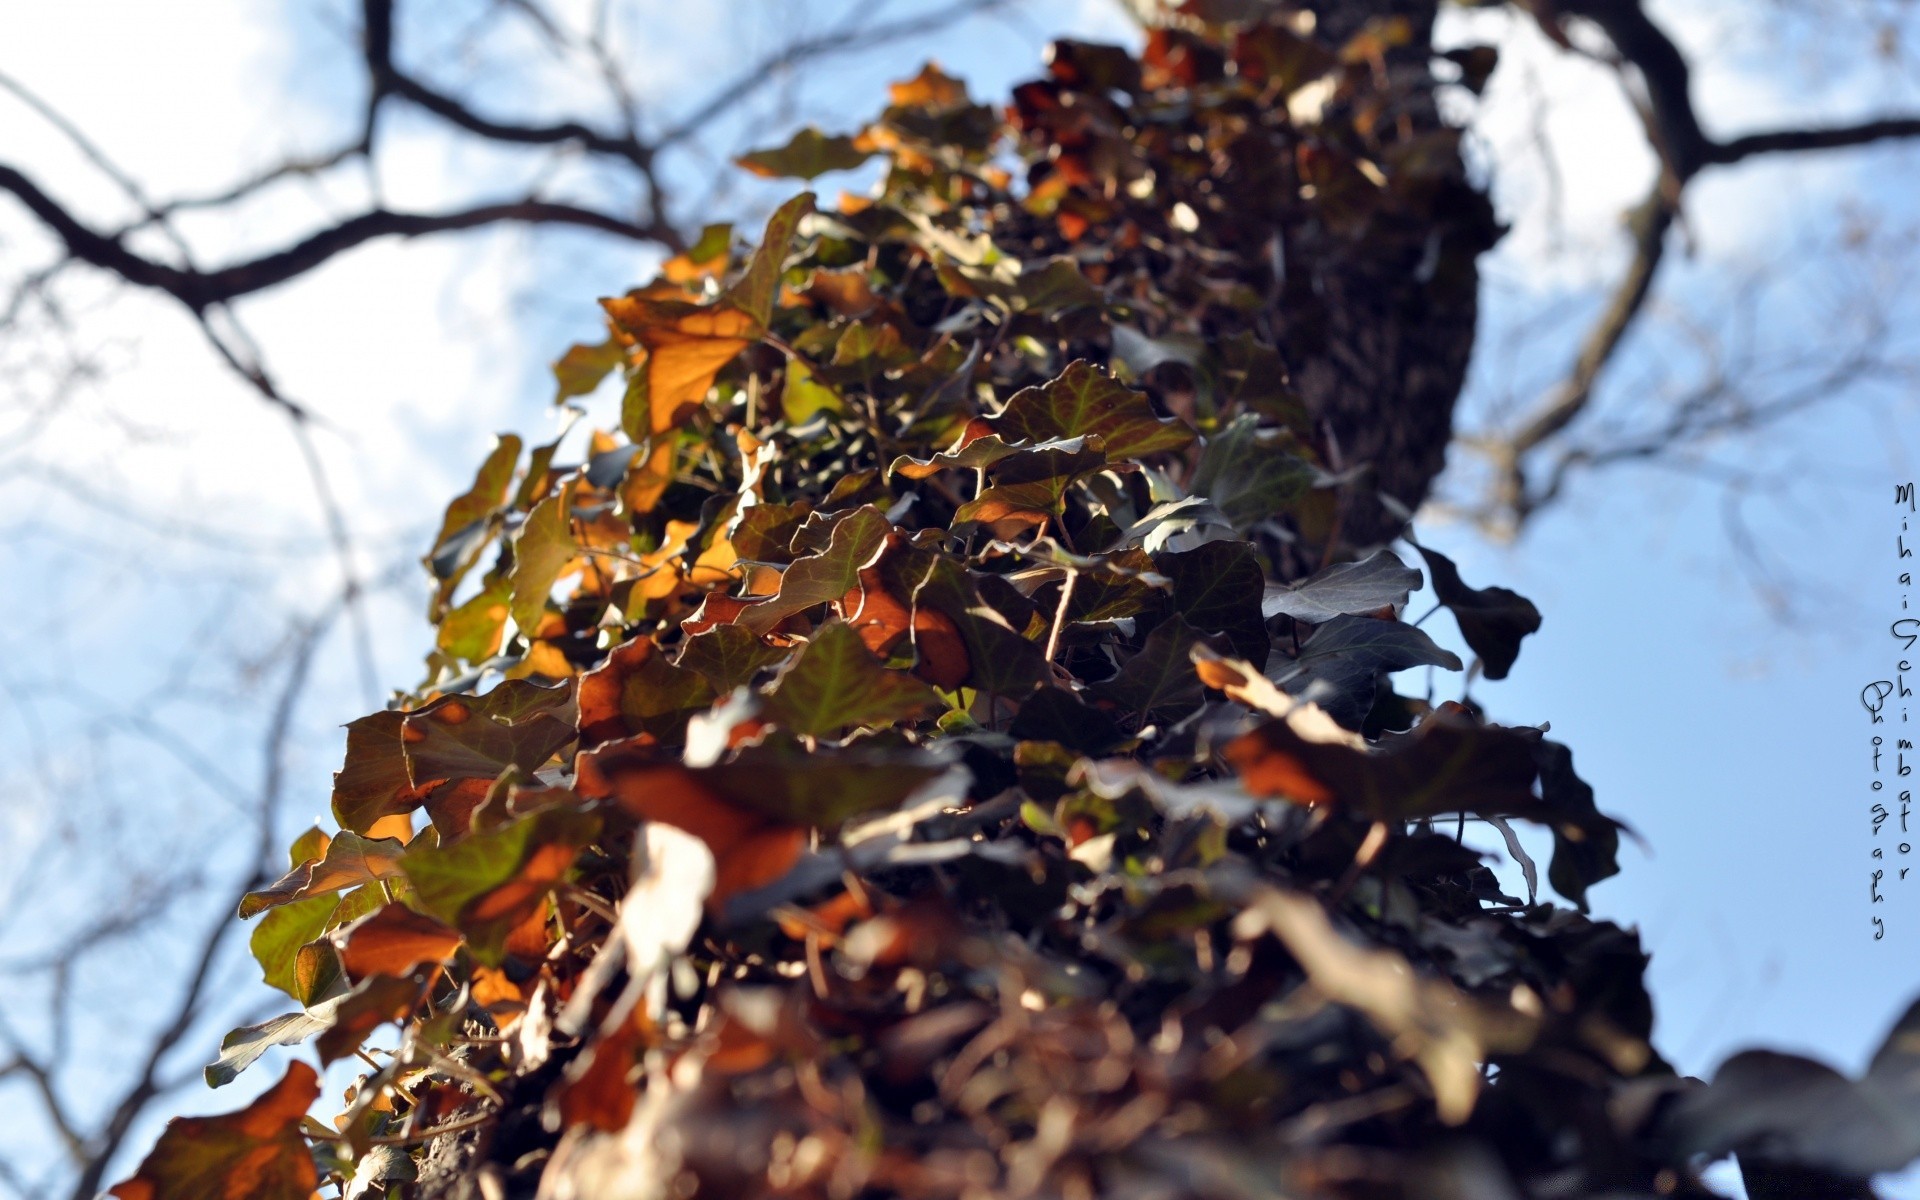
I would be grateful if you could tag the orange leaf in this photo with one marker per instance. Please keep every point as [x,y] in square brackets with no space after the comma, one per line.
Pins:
[749,849]
[257,1153]
[393,941]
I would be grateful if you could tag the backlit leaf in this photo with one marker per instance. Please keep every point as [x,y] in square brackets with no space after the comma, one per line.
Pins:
[1084,401]
[394,940]
[638,691]
[257,1153]
[276,941]
[540,553]
[350,860]
[517,724]
[580,370]
[488,882]
[836,683]
[820,578]
[809,153]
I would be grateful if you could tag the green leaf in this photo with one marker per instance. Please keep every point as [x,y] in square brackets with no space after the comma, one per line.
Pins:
[472,632]
[464,529]
[765,532]
[1248,475]
[276,941]
[1033,481]
[807,155]
[543,549]
[1492,620]
[1055,286]
[580,370]
[1159,682]
[728,657]
[837,683]
[823,788]
[753,294]
[1084,402]
[1217,588]
[819,578]
[1344,589]
[801,396]
[486,883]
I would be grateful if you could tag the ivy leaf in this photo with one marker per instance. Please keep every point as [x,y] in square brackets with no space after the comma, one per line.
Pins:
[1791,1110]
[373,783]
[1055,286]
[999,660]
[474,631]
[836,683]
[750,847]
[1492,620]
[1217,588]
[754,291]
[1447,764]
[1343,589]
[801,395]
[393,940]
[541,552]
[1427,1019]
[1158,683]
[1029,485]
[580,370]
[727,657]
[257,1153]
[1120,585]
[243,1047]
[350,860]
[487,883]
[686,343]
[1054,714]
[517,724]
[1586,847]
[1249,475]
[820,578]
[1084,401]
[765,532]
[1340,662]
[638,691]
[807,155]
[368,1006]
[276,941]
[455,546]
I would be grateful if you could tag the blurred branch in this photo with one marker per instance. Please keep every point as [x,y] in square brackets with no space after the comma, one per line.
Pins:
[101,1147]
[1673,127]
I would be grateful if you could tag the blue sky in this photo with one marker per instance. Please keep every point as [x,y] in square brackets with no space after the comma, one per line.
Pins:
[155,531]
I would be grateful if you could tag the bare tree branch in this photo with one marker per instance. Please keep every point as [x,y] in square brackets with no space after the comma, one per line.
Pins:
[1685,150]
[200,290]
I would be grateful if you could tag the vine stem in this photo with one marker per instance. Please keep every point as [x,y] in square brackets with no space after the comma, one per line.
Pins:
[1060,614]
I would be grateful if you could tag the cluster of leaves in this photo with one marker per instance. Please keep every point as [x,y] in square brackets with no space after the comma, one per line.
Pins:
[941,742]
